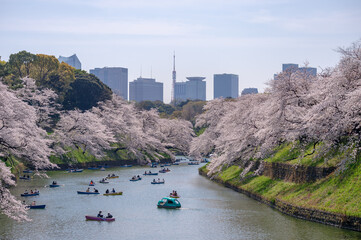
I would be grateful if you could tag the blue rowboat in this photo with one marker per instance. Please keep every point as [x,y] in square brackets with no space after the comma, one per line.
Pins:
[29,194]
[36,206]
[80,192]
[54,185]
[158,182]
[93,168]
[127,165]
[134,180]
[25,178]
[150,174]
[27,171]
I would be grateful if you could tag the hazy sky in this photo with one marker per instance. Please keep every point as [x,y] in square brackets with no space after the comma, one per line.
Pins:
[246,37]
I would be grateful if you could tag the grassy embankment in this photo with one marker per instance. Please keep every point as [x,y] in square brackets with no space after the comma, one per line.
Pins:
[338,193]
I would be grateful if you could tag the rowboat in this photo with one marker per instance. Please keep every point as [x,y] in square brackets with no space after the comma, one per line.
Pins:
[54,185]
[158,182]
[113,194]
[193,163]
[75,170]
[172,196]
[103,182]
[112,177]
[29,194]
[136,179]
[127,165]
[25,178]
[92,218]
[36,206]
[102,169]
[80,192]
[93,168]
[27,171]
[150,174]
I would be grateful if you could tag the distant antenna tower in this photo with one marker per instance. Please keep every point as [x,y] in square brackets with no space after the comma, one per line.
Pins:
[174,77]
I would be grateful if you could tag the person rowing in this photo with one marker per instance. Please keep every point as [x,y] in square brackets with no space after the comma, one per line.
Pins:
[100,215]
[109,216]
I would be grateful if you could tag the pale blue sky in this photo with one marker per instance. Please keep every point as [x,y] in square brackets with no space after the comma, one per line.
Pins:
[244,37]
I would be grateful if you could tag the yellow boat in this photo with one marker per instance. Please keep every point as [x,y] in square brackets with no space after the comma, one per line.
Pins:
[112,177]
[113,193]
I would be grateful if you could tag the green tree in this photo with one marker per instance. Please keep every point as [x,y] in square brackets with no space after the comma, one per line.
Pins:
[42,67]
[85,92]
[21,62]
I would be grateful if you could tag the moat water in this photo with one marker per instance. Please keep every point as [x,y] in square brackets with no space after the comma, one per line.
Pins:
[209,210]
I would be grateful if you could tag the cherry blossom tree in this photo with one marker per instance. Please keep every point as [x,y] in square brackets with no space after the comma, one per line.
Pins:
[22,138]
[82,130]
[297,106]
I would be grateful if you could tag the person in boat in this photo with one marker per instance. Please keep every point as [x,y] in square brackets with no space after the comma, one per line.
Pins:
[108,175]
[96,190]
[88,190]
[138,176]
[150,172]
[33,203]
[113,175]
[107,191]
[109,216]
[154,180]
[158,179]
[91,182]
[145,172]
[28,176]
[24,176]
[113,191]
[31,191]
[54,182]
[100,215]
[163,180]
[36,191]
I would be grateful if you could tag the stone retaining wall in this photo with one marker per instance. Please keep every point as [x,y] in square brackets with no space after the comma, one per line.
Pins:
[295,173]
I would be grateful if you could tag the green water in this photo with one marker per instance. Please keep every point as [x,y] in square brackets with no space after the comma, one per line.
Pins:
[209,211]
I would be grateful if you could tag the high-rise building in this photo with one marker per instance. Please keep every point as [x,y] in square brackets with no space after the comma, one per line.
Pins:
[143,89]
[114,77]
[225,85]
[249,91]
[293,68]
[193,89]
[73,61]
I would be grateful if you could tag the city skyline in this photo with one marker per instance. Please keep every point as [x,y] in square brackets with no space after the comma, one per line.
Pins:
[248,38]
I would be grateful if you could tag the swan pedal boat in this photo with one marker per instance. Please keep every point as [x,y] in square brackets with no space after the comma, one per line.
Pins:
[169,203]
[113,194]
[92,218]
